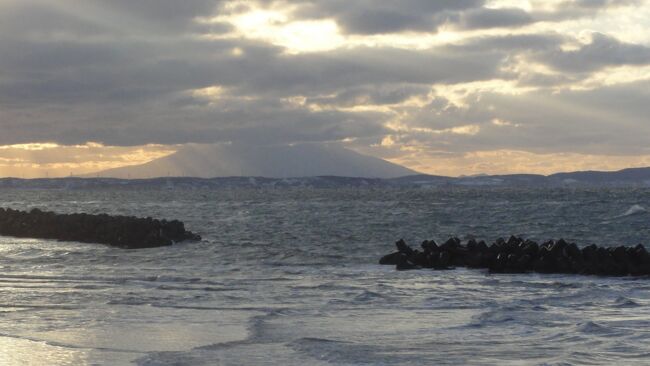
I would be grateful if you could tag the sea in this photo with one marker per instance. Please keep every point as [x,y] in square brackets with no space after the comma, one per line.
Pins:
[291,277]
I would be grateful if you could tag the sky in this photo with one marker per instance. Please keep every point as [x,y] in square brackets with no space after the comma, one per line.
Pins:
[450,87]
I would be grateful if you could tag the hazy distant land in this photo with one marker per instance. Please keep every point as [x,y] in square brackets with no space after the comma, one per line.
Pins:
[635,177]
[224,160]
[304,165]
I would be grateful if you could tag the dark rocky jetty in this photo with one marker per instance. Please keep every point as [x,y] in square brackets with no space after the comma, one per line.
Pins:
[119,231]
[517,255]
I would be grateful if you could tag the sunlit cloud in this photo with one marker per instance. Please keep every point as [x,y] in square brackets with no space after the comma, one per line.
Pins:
[442,87]
[613,76]
[503,123]
[460,130]
[211,94]
[276,26]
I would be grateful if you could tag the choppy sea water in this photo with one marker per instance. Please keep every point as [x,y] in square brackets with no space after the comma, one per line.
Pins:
[289,277]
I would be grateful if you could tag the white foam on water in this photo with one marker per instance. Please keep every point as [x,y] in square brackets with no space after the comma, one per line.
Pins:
[16,351]
[634,210]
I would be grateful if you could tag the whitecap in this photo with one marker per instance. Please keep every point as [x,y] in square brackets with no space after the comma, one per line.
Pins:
[634,210]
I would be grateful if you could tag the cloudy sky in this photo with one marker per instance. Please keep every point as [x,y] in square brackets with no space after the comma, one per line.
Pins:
[441,86]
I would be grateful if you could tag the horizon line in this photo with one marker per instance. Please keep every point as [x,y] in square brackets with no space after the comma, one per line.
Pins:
[473,176]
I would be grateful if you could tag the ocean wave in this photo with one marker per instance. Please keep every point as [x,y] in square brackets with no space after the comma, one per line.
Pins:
[634,210]
[591,327]
[624,302]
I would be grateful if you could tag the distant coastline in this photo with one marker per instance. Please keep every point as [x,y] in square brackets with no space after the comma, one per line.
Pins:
[634,177]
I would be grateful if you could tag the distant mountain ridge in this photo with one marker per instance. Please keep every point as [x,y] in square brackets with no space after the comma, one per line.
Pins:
[639,177]
[625,175]
[634,177]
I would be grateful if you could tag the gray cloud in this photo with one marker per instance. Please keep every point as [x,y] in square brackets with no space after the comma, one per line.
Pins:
[311,74]
[162,11]
[125,91]
[577,9]
[74,19]
[509,43]
[371,95]
[161,15]
[25,19]
[603,51]
[389,16]
[597,4]
[131,71]
[122,73]
[367,17]
[609,120]
[483,18]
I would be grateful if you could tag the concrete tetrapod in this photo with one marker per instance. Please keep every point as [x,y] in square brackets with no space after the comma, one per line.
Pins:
[120,231]
[517,255]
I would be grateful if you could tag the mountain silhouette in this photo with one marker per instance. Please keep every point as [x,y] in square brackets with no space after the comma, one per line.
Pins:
[223,160]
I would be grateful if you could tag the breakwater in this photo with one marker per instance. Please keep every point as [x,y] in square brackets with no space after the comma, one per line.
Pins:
[517,255]
[119,231]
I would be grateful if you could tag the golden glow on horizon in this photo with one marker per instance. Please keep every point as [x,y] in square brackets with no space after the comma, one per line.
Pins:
[64,160]
[34,160]
[33,146]
[513,162]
